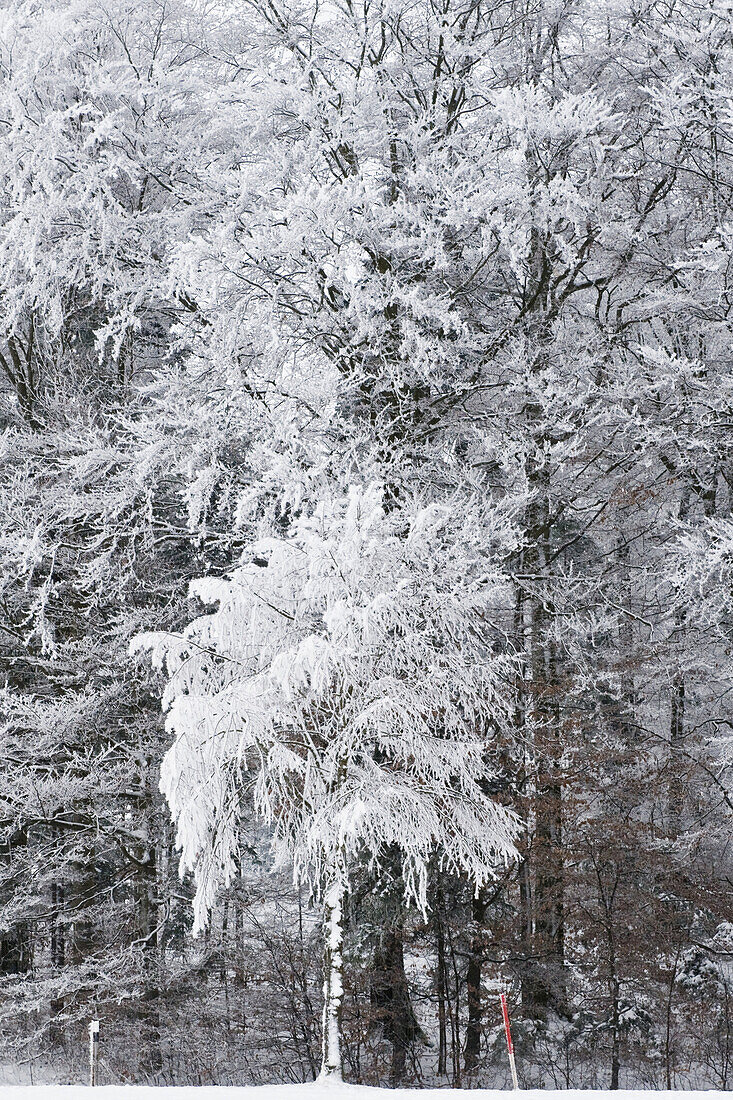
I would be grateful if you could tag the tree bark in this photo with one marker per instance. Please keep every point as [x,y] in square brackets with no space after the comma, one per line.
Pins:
[441,979]
[390,997]
[474,975]
[402,1018]
[333,982]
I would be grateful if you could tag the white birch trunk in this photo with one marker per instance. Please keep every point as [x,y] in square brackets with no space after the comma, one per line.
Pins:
[333,988]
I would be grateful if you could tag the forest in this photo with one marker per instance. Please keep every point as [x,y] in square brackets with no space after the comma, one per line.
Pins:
[366,541]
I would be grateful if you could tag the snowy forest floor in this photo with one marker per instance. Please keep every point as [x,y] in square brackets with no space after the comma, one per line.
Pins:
[314,1091]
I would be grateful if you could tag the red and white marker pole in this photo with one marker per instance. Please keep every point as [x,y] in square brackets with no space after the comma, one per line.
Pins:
[509,1043]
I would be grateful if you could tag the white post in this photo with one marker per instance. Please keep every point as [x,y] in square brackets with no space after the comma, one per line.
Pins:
[93,1051]
[509,1043]
[333,985]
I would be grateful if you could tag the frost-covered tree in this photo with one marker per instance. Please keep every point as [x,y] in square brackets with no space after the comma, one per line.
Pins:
[351,681]
[246,245]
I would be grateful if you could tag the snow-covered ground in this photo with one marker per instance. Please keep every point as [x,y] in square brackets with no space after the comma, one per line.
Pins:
[321,1092]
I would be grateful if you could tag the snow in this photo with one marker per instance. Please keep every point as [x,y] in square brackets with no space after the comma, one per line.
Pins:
[373,632]
[320,1091]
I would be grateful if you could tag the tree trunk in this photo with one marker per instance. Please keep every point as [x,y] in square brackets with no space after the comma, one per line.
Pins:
[676,787]
[615,1035]
[402,1023]
[545,986]
[473,983]
[676,796]
[333,982]
[390,996]
[58,959]
[550,988]
[441,979]
[151,934]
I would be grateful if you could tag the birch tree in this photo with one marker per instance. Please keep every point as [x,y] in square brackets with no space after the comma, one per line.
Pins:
[349,680]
